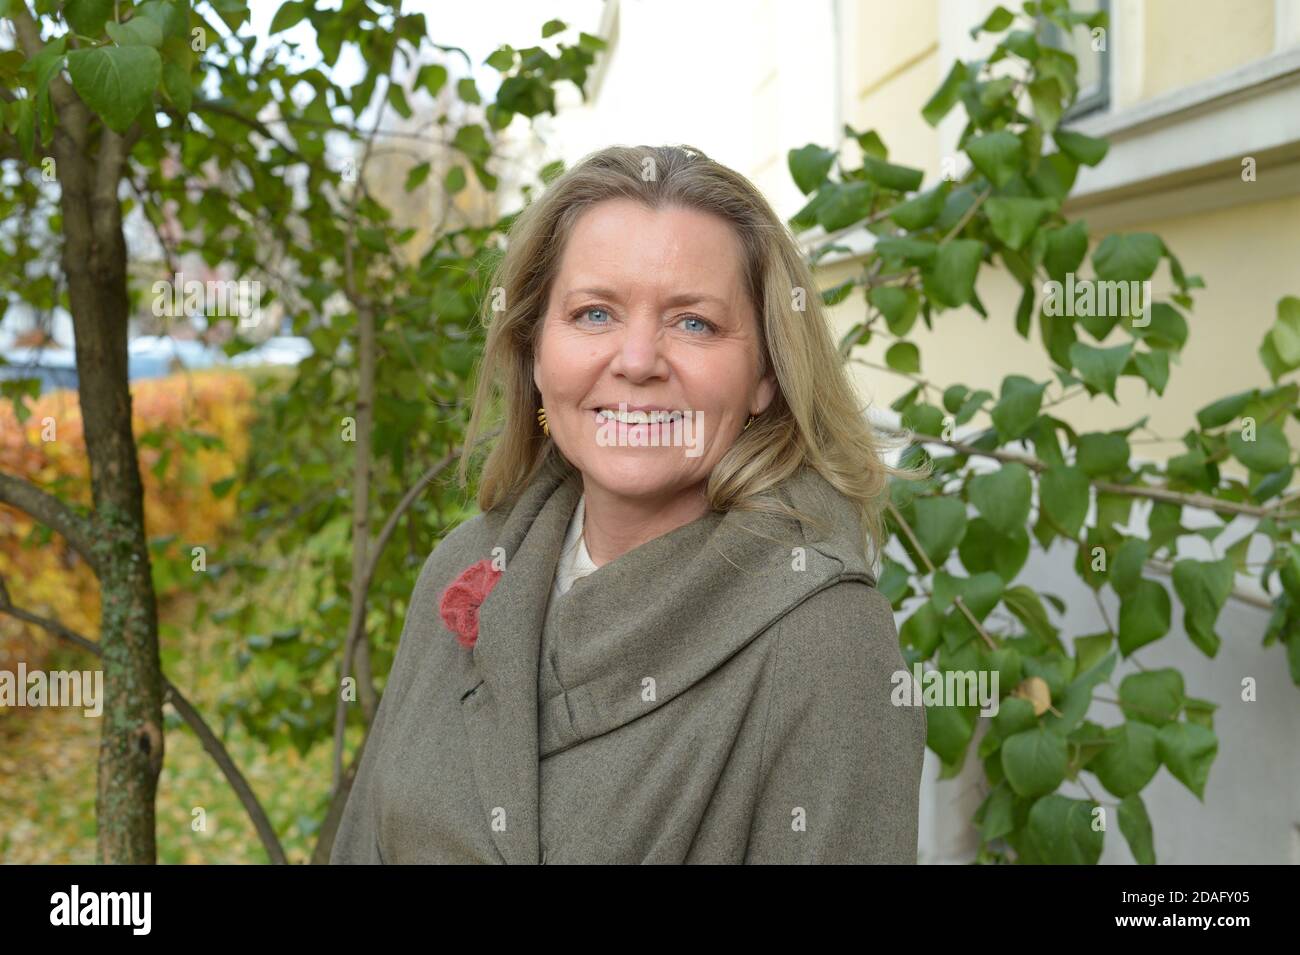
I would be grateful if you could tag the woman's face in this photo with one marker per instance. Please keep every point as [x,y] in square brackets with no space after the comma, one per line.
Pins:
[649,310]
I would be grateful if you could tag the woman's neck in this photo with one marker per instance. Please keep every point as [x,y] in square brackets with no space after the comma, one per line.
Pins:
[612,524]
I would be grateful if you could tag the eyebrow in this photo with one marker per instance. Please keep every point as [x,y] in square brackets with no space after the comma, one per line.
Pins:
[684,298]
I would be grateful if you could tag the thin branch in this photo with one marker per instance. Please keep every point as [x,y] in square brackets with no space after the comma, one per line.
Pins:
[967,215]
[925,559]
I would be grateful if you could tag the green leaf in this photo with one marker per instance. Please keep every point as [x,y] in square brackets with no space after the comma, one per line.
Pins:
[176,84]
[1022,43]
[289,15]
[1003,497]
[997,155]
[1082,149]
[416,175]
[116,82]
[433,77]
[502,59]
[950,279]
[1089,650]
[1136,826]
[1100,367]
[996,815]
[174,22]
[921,629]
[995,22]
[138,31]
[1126,571]
[1065,249]
[1100,454]
[1285,333]
[1128,258]
[919,251]
[1268,451]
[838,293]
[903,356]
[1129,760]
[1026,606]
[919,211]
[870,142]
[552,27]
[945,97]
[1060,832]
[467,91]
[1220,412]
[24,126]
[899,306]
[46,65]
[1064,492]
[1188,750]
[986,549]
[844,204]
[1018,408]
[87,17]
[949,730]
[397,99]
[889,176]
[1153,366]
[1035,761]
[1047,94]
[940,525]
[809,166]
[1015,715]
[1152,696]
[1203,586]
[1144,616]
[1014,220]
[979,593]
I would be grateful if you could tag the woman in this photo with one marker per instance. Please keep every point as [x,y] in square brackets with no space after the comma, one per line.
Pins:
[661,640]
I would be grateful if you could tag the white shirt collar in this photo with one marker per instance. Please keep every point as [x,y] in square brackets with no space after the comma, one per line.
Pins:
[575,562]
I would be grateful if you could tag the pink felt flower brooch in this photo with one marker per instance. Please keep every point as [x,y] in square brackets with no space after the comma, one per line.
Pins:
[462,598]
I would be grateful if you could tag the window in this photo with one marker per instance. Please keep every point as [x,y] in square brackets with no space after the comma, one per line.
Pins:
[1092,49]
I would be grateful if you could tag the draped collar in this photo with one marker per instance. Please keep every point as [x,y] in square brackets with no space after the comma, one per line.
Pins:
[671,610]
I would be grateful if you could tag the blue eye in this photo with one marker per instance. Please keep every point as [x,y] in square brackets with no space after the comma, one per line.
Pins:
[707,325]
[587,311]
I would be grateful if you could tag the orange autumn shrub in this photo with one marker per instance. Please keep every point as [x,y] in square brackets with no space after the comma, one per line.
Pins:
[192,432]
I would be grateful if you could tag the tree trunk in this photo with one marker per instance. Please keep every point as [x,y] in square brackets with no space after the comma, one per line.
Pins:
[94,261]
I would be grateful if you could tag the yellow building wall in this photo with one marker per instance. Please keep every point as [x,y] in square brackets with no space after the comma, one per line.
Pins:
[893,68]
[1185,41]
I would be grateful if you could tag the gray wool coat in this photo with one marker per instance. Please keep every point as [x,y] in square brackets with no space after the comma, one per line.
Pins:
[720,694]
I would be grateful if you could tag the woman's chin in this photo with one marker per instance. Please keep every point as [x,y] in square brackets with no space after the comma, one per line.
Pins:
[638,475]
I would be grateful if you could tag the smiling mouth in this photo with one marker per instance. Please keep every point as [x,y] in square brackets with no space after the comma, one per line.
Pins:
[639,417]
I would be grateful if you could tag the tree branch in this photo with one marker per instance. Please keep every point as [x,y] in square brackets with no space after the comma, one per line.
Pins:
[1127,490]
[41,506]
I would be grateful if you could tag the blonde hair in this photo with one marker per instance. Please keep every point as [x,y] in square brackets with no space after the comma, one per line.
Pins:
[814,419]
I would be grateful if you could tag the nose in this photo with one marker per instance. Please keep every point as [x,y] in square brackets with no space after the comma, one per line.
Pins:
[639,351]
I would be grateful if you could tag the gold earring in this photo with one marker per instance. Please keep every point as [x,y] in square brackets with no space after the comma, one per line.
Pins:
[748,423]
[541,419]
